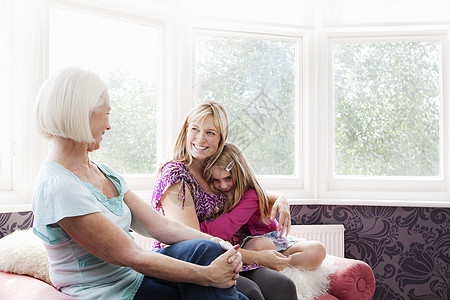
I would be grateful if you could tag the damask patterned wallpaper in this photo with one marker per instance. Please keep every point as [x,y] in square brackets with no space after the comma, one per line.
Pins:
[407,248]
[10,222]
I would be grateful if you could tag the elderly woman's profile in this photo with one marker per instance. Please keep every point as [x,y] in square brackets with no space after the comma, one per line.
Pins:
[84,211]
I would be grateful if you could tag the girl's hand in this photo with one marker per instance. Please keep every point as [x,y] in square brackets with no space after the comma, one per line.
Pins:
[281,207]
[273,260]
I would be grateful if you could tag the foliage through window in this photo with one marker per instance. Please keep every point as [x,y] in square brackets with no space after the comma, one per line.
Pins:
[255,80]
[126,56]
[387,108]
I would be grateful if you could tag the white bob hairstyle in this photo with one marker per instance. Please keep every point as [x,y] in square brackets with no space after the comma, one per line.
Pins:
[65,102]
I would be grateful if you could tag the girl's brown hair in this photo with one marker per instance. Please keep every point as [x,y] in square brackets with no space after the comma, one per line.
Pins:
[234,161]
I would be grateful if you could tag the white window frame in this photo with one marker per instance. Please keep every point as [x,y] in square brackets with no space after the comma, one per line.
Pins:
[6,71]
[26,68]
[378,190]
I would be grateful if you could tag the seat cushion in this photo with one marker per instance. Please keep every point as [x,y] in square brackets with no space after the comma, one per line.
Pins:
[14,286]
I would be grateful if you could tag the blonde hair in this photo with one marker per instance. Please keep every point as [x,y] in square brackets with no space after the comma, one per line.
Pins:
[234,161]
[65,102]
[198,114]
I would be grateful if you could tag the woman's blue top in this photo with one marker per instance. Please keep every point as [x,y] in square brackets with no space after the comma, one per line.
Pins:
[73,270]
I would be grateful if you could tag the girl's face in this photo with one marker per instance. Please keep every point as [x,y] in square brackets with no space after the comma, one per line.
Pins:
[202,139]
[222,180]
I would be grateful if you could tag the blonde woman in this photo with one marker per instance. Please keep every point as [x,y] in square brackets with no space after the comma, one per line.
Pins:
[181,192]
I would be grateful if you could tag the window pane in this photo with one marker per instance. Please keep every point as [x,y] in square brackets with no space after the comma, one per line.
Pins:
[126,56]
[5,159]
[255,80]
[387,108]
[5,135]
[6,93]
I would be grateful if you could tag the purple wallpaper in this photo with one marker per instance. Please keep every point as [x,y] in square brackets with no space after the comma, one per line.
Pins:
[407,248]
[10,222]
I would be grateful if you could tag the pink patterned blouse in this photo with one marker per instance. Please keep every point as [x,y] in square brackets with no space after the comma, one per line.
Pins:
[206,205]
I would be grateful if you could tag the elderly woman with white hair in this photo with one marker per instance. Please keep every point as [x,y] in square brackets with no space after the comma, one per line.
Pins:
[83,212]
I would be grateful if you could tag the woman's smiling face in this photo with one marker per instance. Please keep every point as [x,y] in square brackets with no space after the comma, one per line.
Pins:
[202,138]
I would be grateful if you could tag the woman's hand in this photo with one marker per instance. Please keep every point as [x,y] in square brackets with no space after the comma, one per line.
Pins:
[224,270]
[281,207]
[227,246]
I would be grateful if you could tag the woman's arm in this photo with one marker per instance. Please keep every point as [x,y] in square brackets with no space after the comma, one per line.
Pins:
[280,206]
[166,229]
[175,209]
[104,239]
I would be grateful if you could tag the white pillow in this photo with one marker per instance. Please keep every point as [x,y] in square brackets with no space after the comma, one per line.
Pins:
[314,283]
[22,252]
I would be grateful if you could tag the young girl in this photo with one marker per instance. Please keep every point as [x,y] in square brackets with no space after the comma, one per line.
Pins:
[247,206]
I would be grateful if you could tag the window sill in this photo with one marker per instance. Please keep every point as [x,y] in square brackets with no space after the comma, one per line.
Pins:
[371,202]
[15,204]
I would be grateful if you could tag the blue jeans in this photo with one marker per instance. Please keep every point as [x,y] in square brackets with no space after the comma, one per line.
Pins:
[200,252]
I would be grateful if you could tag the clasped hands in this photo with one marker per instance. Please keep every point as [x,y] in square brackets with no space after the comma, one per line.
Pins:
[233,259]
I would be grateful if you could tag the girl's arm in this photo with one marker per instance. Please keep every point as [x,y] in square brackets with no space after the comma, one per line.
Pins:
[280,206]
[226,225]
[268,258]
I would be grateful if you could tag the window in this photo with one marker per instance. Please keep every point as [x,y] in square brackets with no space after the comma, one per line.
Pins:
[387,108]
[6,68]
[331,102]
[386,124]
[6,150]
[255,77]
[6,141]
[127,55]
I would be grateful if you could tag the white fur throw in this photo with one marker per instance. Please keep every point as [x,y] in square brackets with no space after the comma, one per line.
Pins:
[311,284]
[22,252]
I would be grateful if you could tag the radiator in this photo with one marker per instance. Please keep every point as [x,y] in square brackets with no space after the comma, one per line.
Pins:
[330,235]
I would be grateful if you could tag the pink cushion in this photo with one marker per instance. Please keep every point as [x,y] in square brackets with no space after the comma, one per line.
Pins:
[14,286]
[353,279]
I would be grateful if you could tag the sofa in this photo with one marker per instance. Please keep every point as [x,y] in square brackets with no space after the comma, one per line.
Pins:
[348,279]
